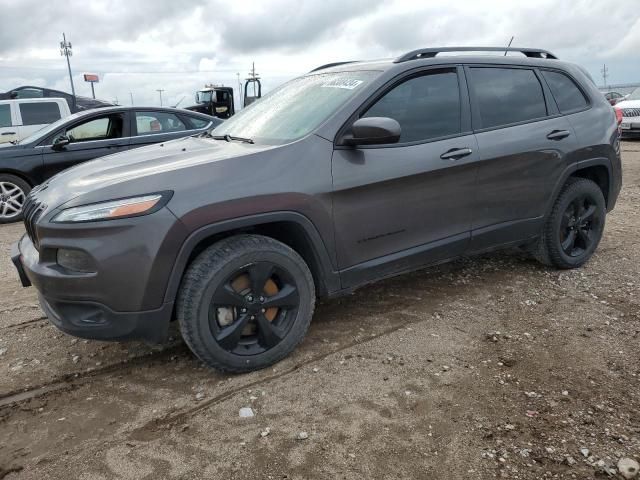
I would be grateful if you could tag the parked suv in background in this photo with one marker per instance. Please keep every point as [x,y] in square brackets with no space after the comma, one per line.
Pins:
[630,109]
[341,177]
[21,118]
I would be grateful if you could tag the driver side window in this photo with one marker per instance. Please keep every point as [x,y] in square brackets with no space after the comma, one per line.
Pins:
[426,107]
[102,128]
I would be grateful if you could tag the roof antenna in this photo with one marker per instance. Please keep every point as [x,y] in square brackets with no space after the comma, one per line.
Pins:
[510,42]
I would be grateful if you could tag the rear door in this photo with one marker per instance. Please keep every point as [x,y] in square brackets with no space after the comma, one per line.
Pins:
[90,137]
[401,205]
[8,128]
[154,126]
[525,146]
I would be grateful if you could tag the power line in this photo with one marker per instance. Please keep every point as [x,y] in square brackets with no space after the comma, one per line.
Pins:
[147,72]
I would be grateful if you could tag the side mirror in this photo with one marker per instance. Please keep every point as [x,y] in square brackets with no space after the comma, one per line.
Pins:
[374,131]
[60,142]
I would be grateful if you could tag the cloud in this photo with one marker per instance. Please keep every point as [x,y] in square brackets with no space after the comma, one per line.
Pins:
[140,46]
[282,24]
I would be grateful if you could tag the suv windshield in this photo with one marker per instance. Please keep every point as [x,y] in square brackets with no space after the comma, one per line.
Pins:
[296,108]
[635,95]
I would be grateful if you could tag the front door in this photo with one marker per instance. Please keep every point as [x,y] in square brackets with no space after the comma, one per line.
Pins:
[405,204]
[89,138]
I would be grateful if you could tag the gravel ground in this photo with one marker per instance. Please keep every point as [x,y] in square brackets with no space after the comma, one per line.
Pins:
[491,367]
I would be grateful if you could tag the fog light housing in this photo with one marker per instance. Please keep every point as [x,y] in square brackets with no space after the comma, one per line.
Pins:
[75,260]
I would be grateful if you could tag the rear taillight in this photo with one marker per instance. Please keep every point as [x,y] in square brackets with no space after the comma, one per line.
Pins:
[618,114]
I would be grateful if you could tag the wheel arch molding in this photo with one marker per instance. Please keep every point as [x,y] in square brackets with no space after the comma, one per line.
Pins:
[288,227]
[596,169]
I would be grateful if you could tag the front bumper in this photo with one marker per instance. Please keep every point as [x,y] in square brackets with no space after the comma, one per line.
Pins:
[630,127]
[98,322]
[124,298]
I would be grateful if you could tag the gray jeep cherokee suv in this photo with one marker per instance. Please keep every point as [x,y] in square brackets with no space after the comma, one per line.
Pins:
[346,175]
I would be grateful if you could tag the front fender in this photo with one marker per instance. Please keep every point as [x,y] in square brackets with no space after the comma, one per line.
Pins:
[328,277]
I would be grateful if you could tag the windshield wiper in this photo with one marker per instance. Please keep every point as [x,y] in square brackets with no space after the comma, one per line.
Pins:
[228,138]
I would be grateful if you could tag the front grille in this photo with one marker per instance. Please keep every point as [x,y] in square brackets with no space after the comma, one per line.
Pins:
[631,112]
[31,211]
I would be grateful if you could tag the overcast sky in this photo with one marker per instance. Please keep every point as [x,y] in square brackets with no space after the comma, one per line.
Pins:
[140,46]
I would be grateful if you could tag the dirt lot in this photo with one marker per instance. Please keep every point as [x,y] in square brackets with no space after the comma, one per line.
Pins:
[487,367]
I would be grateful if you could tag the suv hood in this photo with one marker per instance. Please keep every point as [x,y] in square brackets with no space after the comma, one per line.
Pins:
[138,165]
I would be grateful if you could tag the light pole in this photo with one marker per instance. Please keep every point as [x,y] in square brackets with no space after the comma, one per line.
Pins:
[65,50]
[131,95]
[160,90]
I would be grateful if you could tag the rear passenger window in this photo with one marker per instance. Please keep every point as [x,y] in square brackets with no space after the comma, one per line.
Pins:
[5,115]
[567,94]
[507,95]
[426,107]
[41,113]
[149,123]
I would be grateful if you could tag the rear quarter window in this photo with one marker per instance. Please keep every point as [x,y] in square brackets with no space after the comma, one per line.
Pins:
[567,94]
[506,96]
[41,113]
[198,122]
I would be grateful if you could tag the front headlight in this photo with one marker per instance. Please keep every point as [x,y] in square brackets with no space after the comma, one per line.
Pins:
[126,207]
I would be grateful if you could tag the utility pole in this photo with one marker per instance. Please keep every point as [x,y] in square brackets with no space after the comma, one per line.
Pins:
[253,76]
[239,91]
[160,90]
[131,95]
[605,74]
[65,50]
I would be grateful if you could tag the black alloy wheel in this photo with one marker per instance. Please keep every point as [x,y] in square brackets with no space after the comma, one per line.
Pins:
[245,303]
[574,227]
[254,309]
[579,222]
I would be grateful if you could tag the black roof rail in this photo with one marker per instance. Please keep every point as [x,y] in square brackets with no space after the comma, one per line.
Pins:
[329,65]
[432,52]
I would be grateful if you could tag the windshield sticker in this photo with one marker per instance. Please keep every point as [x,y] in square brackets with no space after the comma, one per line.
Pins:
[342,83]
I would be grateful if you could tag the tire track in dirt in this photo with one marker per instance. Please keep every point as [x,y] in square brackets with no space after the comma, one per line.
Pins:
[26,323]
[72,380]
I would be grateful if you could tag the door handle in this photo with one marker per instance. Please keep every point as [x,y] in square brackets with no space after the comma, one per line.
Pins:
[558,134]
[8,133]
[456,153]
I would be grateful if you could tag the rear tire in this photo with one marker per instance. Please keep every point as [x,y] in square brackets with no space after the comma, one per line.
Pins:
[574,228]
[245,303]
[13,193]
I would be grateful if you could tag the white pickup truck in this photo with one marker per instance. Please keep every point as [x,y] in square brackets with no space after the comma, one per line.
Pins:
[20,118]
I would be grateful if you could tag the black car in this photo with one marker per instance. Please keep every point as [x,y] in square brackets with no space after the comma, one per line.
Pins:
[344,176]
[85,136]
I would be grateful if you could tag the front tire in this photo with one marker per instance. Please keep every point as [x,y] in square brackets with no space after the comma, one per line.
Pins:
[245,303]
[574,228]
[13,193]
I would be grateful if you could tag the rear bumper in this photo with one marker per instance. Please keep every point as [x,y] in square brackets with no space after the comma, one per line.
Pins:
[80,316]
